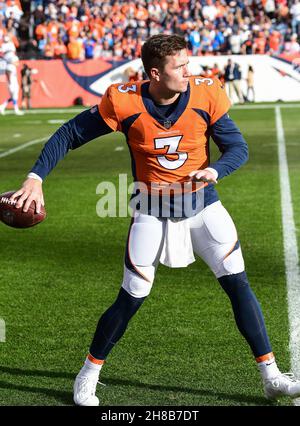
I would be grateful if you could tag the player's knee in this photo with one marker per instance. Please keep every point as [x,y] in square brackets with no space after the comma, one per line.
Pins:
[138,285]
[233,263]
[126,305]
[235,283]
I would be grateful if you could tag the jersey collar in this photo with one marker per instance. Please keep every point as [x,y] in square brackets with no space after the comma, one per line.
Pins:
[153,111]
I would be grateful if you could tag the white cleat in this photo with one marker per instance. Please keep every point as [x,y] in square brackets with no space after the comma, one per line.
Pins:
[85,390]
[18,112]
[283,385]
[2,109]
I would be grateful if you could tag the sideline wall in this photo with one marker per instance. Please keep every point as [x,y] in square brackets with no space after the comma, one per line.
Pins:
[58,83]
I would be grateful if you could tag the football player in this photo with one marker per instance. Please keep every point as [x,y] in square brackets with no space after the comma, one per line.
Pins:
[12,62]
[167,121]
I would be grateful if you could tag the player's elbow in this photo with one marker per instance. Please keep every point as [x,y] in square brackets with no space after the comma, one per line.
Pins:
[240,151]
[245,153]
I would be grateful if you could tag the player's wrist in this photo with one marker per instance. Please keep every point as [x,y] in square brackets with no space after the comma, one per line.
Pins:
[213,171]
[32,175]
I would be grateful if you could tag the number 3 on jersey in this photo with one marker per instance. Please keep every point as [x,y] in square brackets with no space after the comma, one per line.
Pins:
[172,143]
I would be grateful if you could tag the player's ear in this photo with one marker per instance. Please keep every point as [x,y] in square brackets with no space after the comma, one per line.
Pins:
[155,74]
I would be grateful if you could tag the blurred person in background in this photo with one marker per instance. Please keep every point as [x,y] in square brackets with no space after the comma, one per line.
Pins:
[232,81]
[250,83]
[8,51]
[291,45]
[295,13]
[26,83]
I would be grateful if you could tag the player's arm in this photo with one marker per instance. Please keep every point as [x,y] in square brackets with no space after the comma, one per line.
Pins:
[227,137]
[81,129]
[233,147]
[231,144]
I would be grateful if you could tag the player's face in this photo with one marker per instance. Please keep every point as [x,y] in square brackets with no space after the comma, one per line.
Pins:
[175,74]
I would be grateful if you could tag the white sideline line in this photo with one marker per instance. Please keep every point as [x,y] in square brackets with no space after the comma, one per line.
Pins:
[48,111]
[24,145]
[290,251]
[265,106]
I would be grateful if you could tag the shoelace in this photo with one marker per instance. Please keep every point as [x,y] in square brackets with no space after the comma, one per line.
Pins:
[290,376]
[88,383]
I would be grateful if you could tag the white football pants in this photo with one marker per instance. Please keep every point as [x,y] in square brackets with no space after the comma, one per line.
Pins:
[214,239]
[13,87]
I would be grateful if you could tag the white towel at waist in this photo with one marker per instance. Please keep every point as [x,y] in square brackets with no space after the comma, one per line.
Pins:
[177,249]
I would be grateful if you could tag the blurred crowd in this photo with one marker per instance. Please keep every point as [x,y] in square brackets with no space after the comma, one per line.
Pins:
[83,29]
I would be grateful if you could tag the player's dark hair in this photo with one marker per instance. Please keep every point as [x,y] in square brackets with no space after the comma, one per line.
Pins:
[157,47]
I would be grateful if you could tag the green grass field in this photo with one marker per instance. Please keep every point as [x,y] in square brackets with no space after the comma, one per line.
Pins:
[182,348]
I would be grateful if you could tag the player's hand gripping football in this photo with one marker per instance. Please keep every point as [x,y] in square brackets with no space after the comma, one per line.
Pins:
[31,191]
[203,176]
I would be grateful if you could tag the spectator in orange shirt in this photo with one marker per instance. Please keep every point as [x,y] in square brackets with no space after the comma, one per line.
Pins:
[49,48]
[128,9]
[138,47]
[283,11]
[53,29]
[141,13]
[216,71]
[41,30]
[75,49]
[73,27]
[60,49]
[260,43]
[275,42]
[97,28]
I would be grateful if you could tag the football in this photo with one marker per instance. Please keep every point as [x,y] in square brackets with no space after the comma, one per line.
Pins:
[15,217]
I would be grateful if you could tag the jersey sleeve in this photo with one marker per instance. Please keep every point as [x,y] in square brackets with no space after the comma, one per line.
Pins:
[231,144]
[107,110]
[221,103]
[81,129]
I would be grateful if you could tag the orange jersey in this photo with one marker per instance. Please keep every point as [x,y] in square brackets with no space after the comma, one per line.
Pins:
[165,150]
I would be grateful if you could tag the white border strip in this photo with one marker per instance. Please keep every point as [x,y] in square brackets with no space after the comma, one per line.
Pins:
[288,224]
[290,251]
[24,145]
